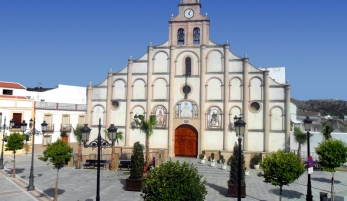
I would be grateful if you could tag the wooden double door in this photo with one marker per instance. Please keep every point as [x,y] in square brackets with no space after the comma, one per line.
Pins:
[186,140]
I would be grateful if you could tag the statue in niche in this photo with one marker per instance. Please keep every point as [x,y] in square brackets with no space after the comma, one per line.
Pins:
[186,109]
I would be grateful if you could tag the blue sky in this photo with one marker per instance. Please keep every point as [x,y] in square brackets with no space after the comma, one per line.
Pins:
[74,42]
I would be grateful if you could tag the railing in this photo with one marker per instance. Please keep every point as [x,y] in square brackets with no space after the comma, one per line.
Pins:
[60,106]
[65,127]
[50,128]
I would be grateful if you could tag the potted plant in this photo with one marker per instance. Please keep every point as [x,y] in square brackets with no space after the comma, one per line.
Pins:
[233,178]
[204,153]
[222,160]
[135,180]
[212,160]
[202,158]
[256,160]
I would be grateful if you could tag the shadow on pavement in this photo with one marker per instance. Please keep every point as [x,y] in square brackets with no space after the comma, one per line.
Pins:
[321,179]
[18,170]
[24,177]
[50,191]
[287,193]
[220,189]
[123,182]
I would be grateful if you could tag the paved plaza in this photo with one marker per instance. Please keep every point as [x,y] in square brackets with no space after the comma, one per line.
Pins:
[80,185]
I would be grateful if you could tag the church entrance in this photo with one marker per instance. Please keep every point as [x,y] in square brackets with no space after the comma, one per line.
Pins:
[186,140]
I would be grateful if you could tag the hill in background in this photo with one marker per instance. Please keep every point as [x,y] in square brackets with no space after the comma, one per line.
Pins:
[330,107]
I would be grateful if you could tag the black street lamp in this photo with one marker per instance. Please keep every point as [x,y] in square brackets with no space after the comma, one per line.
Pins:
[240,131]
[307,124]
[98,143]
[4,127]
[33,132]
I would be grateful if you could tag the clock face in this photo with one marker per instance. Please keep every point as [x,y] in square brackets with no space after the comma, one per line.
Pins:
[189,13]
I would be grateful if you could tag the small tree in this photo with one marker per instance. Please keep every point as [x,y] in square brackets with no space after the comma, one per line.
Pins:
[137,162]
[332,154]
[300,138]
[78,135]
[327,130]
[119,136]
[174,181]
[15,142]
[58,153]
[234,164]
[282,168]
[147,128]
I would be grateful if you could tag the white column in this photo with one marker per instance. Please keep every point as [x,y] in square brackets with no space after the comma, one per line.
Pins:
[171,108]
[287,117]
[266,112]
[128,119]
[202,97]
[226,97]
[245,101]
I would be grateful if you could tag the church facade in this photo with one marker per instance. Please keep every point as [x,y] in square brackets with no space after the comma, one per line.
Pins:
[195,87]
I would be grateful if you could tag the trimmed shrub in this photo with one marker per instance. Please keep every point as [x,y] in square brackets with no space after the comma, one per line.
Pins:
[174,181]
[137,162]
[234,161]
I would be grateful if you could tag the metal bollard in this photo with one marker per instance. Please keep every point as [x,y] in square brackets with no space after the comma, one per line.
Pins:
[323,196]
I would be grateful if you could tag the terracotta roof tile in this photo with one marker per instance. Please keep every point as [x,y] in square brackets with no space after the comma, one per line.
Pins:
[13,85]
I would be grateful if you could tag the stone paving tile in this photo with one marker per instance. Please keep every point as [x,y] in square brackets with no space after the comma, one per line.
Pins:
[80,185]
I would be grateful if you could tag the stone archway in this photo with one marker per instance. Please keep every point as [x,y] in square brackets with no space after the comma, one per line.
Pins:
[186,141]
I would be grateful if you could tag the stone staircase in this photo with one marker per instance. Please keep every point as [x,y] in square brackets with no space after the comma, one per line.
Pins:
[205,169]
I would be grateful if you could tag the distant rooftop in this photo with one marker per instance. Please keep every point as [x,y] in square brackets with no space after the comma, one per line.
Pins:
[39,89]
[13,85]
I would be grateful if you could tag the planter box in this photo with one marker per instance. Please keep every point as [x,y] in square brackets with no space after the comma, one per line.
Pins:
[212,164]
[256,167]
[232,190]
[224,167]
[134,184]
[202,161]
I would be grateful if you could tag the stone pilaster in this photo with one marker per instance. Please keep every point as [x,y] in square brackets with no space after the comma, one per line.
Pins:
[226,98]
[202,97]
[287,117]
[109,98]
[266,112]
[128,119]
[89,104]
[245,101]
[171,109]
[149,80]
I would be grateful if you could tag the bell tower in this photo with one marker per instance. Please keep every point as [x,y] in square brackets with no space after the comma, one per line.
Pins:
[189,27]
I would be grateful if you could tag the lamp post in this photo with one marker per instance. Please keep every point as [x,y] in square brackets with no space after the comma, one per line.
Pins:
[4,127]
[240,130]
[98,143]
[33,132]
[307,124]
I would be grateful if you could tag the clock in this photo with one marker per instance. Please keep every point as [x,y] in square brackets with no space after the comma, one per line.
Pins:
[189,13]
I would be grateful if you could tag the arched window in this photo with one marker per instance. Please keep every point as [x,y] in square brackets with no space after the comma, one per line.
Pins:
[188,66]
[196,36]
[180,37]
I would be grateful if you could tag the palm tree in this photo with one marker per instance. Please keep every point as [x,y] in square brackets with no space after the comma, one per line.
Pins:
[119,136]
[300,138]
[77,133]
[147,128]
[327,130]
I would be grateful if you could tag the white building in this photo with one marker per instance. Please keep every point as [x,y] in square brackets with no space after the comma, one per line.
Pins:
[195,87]
[63,108]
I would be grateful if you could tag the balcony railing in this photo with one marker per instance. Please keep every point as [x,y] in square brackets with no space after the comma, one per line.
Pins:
[60,106]
[50,128]
[65,127]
